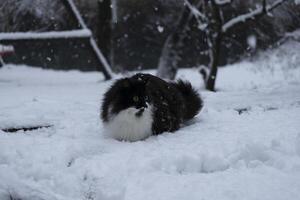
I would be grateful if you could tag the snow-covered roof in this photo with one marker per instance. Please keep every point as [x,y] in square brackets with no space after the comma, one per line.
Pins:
[46,35]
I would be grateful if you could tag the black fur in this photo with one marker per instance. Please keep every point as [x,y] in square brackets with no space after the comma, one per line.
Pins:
[173,102]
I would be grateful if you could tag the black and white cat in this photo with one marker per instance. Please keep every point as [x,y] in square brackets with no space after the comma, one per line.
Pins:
[142,105]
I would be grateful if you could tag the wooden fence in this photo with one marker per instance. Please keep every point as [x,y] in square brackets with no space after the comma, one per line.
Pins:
[55,50]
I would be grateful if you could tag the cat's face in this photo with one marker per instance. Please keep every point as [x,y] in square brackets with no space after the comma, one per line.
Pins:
[130,114]
[132,94]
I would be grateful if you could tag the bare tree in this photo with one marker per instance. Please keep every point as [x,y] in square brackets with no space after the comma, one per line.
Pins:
[209,16]
[217,27]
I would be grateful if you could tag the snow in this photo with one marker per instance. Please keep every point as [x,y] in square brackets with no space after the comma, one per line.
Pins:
[160,29]
[252,41]
[45,35]
[221,154]
[294,35]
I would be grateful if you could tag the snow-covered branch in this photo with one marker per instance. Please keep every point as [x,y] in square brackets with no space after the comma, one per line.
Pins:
[275,5]
[200,17]
[222,2]
[194,10]
[264,9]
[241,18]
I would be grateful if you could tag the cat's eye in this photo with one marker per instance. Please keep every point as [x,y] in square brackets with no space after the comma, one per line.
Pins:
[135,98]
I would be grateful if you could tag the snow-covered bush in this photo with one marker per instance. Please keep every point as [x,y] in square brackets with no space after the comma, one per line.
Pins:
[31,15]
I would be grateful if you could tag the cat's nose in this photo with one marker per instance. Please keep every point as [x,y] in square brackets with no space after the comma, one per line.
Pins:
[142,105]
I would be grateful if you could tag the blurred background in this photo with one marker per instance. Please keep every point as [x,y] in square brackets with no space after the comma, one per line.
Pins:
[132,33]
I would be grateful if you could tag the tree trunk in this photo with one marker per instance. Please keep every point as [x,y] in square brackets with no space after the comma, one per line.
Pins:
[214,63]
[214,36]
[168,61]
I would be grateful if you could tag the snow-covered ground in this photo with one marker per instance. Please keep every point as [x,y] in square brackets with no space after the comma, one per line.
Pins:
[245,144]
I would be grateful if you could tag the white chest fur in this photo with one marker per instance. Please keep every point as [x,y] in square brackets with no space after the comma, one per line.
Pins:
[126,125]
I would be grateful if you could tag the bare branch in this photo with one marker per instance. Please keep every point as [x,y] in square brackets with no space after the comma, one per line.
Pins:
[257,13]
